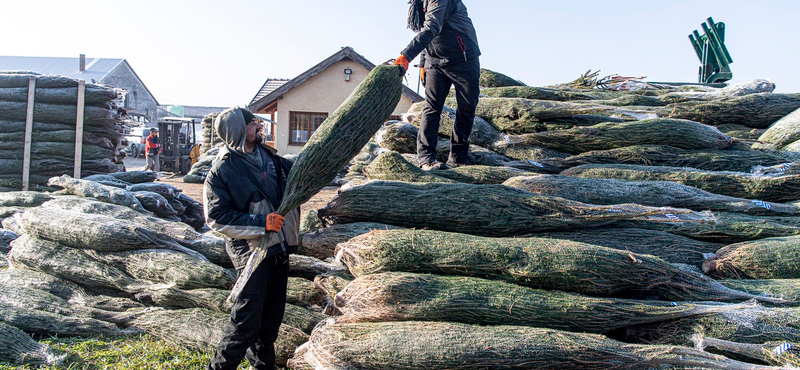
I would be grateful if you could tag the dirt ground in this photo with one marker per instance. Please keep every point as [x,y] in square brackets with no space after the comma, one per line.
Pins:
[195,191]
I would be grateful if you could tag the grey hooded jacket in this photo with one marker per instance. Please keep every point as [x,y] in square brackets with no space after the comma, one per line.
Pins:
[447,35]
[239,193]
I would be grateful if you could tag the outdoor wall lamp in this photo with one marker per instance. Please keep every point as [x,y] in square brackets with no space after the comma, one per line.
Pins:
[347,73]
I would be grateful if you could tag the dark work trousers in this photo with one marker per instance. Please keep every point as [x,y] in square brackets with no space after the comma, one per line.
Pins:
[465,77]
[256,317]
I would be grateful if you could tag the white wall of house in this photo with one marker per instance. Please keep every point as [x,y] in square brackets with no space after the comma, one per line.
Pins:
[322,93]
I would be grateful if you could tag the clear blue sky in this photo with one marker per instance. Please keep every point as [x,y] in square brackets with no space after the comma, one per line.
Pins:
[219,53]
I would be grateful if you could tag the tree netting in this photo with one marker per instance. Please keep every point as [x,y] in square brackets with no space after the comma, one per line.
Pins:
[491,78]
[752,325]
[54,128]
[423,297]
[780,189]
[772,258]
[201,329]
[392,166]
[322,242]
[754,110]
[40,322]
[677,133]
[728,227]
[669,247]
[740,131]
[774,353]
[460,346]
[16,347]
[91,189]
[533,262]
[648,193]
[783,132]
[662,155]
[492,210]
[788,289]
[483,133]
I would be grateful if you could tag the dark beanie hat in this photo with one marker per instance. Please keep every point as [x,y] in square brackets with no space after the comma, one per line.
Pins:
[248,116]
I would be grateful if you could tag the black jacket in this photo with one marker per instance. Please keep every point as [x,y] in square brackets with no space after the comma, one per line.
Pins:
[447,35]
[236,200]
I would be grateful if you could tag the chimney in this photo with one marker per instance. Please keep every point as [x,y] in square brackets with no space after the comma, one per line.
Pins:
[82,62]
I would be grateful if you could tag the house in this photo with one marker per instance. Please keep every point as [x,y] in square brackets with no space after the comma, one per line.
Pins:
[299,105]
[138,101]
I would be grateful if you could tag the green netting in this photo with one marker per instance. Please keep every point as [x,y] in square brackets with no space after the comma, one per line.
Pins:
[532,262]
[661,155]
[677,133]
[754,325]
[200,329]
[493,210]
[772,258]
[168,267]
[92,189]
[734,184]
[669,247]
[728,227]
[754,110]
[459,346]
[322,242]
[774,353]
[415,297]
[648,193]
[491,78]
[788,289]
[16,347]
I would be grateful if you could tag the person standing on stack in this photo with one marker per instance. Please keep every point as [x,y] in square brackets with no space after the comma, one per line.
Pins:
[448,45]
[242,191]
[152,148]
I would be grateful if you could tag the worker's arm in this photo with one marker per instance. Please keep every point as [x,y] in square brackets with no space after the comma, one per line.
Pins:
[435,17]
[221,216]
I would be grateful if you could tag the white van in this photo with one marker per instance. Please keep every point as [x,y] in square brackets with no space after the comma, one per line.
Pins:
[136,140]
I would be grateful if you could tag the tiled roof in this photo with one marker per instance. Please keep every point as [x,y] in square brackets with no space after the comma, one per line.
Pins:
[271,85]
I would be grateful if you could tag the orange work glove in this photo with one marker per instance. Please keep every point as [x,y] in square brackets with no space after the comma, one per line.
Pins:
[402,61]
[422,75]
[274,222]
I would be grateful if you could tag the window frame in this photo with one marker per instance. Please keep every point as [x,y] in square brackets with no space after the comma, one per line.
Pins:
[292,117]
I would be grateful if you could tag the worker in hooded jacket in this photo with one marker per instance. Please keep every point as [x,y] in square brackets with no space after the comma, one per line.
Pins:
[242,191]
[448,45]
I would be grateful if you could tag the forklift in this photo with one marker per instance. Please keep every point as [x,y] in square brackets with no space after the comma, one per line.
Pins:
[178,137]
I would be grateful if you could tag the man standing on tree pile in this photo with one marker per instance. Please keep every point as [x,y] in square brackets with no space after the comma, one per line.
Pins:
[449,51]
[242,191]
[152,148]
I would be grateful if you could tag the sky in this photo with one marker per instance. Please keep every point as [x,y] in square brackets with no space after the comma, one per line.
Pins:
[219,53]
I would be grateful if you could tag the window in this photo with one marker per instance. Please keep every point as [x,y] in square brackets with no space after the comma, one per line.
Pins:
[302,125]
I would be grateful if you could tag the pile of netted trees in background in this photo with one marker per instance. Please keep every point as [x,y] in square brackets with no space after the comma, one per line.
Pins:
[54,129]
[108,256]
[640,225]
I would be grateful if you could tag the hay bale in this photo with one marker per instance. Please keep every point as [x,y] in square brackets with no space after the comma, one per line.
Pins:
[16,347]
[491,78]
[775,353]
[753,110]
[491,210]
[677,133]
[415,297]
[168,267]
[533,262]
[788,289]
[199,329]
[669,247]
[735,184]
[773,258]
[662,155]
[728,227]
[322,242]
[753,325]
[460,346]
[647,193]
[73,265]
[92,189]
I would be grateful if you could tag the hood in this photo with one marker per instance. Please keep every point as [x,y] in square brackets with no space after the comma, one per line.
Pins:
[232,129]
